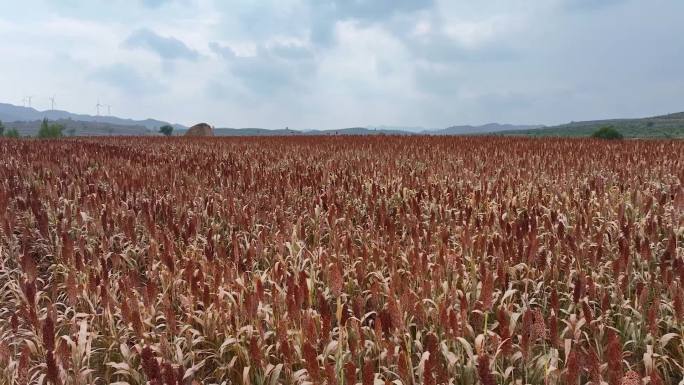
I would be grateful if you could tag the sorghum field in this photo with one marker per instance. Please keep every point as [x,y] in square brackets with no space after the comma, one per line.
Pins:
[341,260]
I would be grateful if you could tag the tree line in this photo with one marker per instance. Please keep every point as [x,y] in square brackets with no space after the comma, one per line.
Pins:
[11,133]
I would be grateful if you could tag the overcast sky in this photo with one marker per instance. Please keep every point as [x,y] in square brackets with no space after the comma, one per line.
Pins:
[341,63]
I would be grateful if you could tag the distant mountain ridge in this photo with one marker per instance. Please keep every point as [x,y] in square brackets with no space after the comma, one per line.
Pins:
[81,128]
[290,132]
[487,128]
[670,126]
[415,129]
[12,113]
[454,130]
[27,121]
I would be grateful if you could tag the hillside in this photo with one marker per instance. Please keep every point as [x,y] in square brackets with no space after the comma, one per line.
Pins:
[358,131]
[80,128]
[12,113]
[454,130]
[658,127]
[253,132]
[414,129]
[487,128]
[27,121]
[290,132]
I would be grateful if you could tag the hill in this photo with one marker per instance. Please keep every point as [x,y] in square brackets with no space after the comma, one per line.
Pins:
[414,129]
[487,128]
[358,131]
[27,121]
[669,126]
[290,132]
[253,132]
[12,113]
[81,128]
[454,130]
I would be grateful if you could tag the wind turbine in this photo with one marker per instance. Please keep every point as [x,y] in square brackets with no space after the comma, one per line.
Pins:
[109,110]
[97,106]
[52,102]
[29,98]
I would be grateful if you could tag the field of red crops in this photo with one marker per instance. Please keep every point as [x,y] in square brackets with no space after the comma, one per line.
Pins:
[341,260]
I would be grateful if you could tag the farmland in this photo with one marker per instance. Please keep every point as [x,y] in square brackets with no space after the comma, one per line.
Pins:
[341,260]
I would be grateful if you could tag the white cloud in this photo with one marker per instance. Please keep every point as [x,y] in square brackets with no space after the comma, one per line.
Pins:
[472,34]
[334,63]
[167,47]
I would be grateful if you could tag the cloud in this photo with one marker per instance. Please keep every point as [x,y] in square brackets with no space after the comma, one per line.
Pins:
[336,63]
[155,3]
[290,52]
[126,79]
[443,49]
[168,48]
[370,10]
[583,5]
[222,50]
[455,38]
[272,67]
[327,13]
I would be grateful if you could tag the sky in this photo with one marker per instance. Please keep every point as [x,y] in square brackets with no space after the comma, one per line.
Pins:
[325,64]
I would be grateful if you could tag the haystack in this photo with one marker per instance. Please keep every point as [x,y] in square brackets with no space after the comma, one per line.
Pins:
[201,129]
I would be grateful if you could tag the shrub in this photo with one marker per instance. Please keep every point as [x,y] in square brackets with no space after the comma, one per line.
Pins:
[166,130]
[12,133]
[48,130]
[607,132]
[2,128]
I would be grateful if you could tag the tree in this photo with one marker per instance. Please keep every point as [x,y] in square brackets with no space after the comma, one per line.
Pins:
[12,133]
[71,131]
[50,130]
[166,130]
[2,128]
[607,132]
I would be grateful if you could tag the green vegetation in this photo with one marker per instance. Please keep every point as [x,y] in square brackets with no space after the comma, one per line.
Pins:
[659,127]
[50,130]
[2,128]
[78,128]
[12,133]
[607,132]
[166,130]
